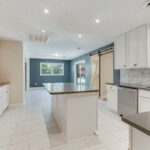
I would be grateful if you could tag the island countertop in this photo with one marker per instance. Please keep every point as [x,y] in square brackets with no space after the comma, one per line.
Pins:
[139,121]
[67,88]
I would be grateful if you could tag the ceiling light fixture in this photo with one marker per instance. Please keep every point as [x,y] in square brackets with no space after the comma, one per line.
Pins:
[79,36]
[97,20]
[46,11]
[56,55]
[43,31]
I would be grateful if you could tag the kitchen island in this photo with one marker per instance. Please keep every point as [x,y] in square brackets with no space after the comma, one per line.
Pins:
[139,131]
[75,109]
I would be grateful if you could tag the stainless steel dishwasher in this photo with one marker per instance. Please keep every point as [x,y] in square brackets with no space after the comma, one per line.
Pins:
[127,101]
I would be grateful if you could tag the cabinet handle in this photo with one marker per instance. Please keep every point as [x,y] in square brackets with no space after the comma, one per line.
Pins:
[135,65]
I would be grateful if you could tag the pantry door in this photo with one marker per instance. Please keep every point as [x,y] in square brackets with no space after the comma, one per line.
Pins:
[106,72]
[94,71]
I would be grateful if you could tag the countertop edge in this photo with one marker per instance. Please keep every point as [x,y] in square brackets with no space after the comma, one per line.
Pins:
[3,84]
[136,126]
[72,92]
[130,86]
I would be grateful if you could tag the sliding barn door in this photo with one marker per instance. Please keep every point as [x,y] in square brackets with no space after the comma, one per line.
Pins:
[94,71]
[106,71]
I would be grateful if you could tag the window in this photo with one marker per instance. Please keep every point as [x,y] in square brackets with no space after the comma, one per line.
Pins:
[51,69]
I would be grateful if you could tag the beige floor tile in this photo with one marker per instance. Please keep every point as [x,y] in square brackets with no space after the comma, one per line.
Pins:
[4,141]
[21,146]
[119,146]
[94,142]
[39,143]
[73,146]
[22,130]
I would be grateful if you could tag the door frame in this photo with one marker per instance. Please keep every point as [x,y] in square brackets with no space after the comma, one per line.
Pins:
[78,62]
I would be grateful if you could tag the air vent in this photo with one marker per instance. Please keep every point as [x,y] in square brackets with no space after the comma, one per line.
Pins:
[147,3]
[38,38]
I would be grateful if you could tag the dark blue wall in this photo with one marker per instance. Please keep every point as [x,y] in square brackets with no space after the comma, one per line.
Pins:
[87,61]
[35,72]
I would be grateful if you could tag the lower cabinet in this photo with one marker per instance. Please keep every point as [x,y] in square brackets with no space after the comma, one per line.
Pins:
[112,97]
[143,101]
[138,140]
[4,98]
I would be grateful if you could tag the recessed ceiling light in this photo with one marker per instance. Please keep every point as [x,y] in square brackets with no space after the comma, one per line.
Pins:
[79,35]
[43,31]
[46,11]
[56,55]
[97,20]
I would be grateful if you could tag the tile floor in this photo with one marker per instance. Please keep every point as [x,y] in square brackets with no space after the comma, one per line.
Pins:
[32,127]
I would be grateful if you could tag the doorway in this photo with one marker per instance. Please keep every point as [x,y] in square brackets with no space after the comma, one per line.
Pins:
[80,72]
[106,72]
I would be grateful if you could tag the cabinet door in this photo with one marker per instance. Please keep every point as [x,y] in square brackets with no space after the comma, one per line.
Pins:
[112,100]
[0,103]
[132,49]
[120,52]
[144,104]
[142,47]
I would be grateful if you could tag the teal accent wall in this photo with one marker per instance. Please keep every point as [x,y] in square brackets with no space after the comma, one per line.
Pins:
[35,72]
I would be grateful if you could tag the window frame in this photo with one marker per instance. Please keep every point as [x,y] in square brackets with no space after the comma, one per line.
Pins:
[52,69]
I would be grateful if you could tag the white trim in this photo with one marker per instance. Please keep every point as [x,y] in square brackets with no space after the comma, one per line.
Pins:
[78,62]
[52,64]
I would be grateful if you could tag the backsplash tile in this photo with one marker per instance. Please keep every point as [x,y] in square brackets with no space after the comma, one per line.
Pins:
[135,76]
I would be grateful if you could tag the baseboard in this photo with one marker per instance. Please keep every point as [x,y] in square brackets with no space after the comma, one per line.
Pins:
[36,88]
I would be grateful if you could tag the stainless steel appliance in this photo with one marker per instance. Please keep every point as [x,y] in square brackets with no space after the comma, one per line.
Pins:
[127,101]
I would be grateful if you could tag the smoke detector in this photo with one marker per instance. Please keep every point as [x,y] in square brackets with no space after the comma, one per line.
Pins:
[147,3]
[38,38]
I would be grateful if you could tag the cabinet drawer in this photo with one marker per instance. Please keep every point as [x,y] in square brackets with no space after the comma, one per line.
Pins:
[144,93]
[112,87]
[144,104]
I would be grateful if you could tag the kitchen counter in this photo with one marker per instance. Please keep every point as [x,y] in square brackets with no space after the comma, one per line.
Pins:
[4,83]
[139,130]
[145,87]
[75,109]
[139,121]
[67,88]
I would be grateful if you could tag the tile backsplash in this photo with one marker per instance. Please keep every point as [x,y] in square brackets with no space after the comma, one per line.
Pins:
[135,76]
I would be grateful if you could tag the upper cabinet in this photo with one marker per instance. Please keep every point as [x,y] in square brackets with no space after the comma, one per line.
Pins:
[120,52]
[132,49]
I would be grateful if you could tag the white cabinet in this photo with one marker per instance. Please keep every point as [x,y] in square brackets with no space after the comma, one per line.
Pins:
[143,49]
[143,101]
[112,97]
[4,98]
[132,49]
[120,52]
[135,52]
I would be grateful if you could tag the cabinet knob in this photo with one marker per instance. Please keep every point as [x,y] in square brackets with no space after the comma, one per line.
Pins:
[125,66]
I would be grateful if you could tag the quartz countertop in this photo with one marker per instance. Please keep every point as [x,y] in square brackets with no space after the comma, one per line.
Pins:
[139,121]
[67,88]
[4,83]
[145,87]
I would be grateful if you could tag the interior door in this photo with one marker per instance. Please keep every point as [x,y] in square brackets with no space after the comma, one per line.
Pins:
[106,72]
[80,73]
[94,71]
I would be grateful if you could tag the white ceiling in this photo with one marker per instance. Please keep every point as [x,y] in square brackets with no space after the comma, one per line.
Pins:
[67,19]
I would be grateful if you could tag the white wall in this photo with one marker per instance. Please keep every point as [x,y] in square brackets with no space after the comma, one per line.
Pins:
[11,68]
